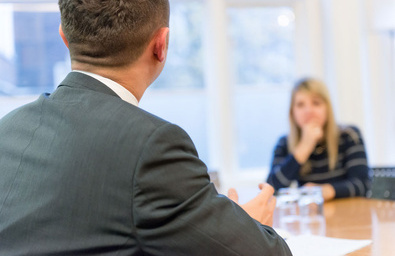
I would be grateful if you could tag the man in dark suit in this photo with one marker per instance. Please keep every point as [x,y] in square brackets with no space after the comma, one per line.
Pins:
[84,171]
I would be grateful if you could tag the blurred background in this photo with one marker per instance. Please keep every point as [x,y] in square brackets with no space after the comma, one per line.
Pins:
[230,68]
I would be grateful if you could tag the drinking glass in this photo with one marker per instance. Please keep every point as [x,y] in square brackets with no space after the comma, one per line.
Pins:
[311,211]
[288,209]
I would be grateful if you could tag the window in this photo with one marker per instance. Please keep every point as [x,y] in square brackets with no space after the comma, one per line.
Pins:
[32,54]
[262,39]
[262,47]
[33,58]
[184,64]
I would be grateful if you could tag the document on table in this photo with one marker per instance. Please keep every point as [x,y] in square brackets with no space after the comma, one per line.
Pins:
[310,245]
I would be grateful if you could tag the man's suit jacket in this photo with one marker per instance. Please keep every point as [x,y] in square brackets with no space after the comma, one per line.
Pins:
[84,173]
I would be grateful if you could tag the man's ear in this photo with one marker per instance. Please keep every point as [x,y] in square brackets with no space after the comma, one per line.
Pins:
[161,41]
[63,36]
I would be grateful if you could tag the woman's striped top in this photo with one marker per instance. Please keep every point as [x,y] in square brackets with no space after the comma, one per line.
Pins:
[349,178]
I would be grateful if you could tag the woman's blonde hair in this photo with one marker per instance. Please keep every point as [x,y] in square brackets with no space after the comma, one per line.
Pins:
[331,130]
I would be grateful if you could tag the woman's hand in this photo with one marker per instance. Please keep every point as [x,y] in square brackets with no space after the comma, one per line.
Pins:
[328,191]
[312,133]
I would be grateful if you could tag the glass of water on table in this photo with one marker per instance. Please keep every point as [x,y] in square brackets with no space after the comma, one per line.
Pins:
[288,210]
[311,211]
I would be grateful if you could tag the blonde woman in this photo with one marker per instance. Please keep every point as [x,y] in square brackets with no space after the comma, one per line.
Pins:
[318,152]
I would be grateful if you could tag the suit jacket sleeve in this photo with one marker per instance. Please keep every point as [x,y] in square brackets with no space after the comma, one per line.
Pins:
[177,211]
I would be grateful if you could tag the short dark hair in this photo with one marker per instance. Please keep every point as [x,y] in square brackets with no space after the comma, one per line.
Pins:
[111,32]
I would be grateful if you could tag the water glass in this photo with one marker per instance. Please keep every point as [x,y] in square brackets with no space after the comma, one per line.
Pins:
[288,209]
[311,211]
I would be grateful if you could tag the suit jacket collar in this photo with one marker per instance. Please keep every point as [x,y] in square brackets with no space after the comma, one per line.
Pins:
[80,80]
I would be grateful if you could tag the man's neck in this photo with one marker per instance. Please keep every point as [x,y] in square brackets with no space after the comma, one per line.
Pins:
[130,78]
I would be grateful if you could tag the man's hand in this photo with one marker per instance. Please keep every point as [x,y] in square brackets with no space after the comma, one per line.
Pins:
[261,207]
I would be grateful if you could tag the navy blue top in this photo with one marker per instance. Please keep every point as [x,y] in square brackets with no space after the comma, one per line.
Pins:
[349,178]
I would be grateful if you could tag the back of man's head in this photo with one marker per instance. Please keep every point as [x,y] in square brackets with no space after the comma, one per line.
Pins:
[111,33]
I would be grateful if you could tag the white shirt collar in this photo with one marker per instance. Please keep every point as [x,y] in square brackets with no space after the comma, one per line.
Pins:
[114,86]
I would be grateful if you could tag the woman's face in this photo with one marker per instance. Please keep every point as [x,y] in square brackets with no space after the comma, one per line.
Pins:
[309,107]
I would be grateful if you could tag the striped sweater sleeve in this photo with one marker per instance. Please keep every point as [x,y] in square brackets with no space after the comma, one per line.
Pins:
[284,167]
[357,179]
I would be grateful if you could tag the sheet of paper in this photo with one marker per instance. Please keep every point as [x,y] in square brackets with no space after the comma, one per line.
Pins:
[283,233]
[309,245]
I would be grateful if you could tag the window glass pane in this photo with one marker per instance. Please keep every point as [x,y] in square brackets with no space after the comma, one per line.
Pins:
[33,58]
[184,68]
[262,47]
[261,118]
[32,55]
